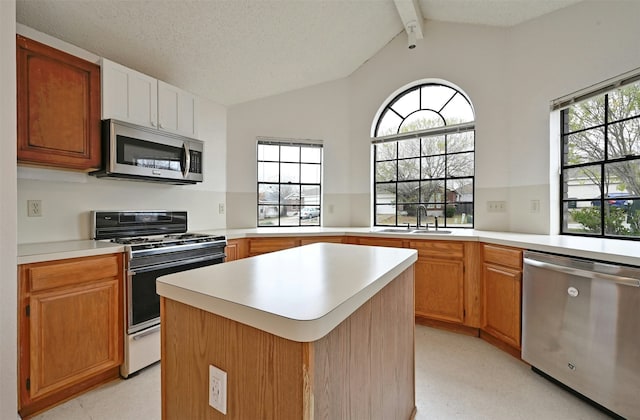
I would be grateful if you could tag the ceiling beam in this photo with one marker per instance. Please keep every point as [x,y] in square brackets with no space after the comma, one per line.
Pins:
[410,13]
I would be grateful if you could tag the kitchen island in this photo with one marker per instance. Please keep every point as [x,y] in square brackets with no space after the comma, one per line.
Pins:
[318,331]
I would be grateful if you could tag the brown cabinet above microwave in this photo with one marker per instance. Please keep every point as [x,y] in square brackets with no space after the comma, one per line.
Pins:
[58,108]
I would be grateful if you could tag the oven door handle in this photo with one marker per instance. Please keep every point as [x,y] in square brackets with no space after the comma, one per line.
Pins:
[172,264]
[145,333]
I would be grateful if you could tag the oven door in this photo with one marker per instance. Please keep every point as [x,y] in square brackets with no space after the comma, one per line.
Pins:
[143,303]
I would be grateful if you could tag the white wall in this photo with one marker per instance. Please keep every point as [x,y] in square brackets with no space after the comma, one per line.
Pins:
[552,56]
[319,112]
[68,197]
[469,56]
[511,76]
[345,109]
[8,281]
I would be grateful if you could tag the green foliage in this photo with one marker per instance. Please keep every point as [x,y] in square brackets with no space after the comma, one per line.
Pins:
[589,218]
[615,220]
[450,211]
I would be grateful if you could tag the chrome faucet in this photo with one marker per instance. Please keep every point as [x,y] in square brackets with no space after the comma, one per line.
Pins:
[421,207]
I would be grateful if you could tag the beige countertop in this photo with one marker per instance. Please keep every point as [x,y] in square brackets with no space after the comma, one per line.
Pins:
[48,251]
[613,250]
[300,294]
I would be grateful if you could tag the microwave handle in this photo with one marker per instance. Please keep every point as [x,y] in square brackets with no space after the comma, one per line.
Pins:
[187,160]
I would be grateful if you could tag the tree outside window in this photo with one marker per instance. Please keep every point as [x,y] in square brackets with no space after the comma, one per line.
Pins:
[434,168]
[601,165]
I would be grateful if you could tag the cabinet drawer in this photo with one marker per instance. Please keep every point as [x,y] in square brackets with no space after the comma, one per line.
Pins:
[315,239]
[508,257]
[438,249]
[262,246]
[393,243]
[66,272]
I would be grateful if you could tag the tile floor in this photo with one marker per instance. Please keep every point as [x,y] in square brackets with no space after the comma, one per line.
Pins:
[457,377]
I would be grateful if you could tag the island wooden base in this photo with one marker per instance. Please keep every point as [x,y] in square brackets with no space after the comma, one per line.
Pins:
[363,369]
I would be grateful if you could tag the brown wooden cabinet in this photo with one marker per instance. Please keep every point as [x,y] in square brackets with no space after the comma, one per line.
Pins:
[447,285]
[439,283]
[236,249]
[58,108]
[70,328]
[306,240]
[501,292]
[259,246]
[242,248]
[377,241]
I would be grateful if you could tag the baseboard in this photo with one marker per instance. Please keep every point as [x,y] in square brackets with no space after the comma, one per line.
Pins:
[514,351]
[449,326]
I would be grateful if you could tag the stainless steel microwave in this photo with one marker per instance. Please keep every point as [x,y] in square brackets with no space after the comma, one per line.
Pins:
[146,154]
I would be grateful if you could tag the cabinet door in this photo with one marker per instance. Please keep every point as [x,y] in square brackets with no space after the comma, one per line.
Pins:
[70,335]
[128,95]
[236,249]
[58,108]
[74,335]
[501,290]
[439,289]
[176,110]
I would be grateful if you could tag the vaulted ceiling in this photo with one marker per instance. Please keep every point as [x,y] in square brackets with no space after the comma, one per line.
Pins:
[233,51]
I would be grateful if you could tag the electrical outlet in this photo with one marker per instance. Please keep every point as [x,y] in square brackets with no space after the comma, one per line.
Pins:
[34,208]
[496,206]
[221,208]
[535,206]
[218,389]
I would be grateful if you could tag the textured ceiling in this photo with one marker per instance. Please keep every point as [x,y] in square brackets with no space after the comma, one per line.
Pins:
[489,12]
[238,50]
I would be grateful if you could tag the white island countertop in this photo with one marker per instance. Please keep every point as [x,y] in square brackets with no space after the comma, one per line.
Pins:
[300,294]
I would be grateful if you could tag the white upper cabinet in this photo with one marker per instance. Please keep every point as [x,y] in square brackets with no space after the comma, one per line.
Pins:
[131,96]
[128,95]
[176,109]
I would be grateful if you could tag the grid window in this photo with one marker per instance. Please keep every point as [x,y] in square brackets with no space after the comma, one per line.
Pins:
[600,178]
[431,171]
[289,184]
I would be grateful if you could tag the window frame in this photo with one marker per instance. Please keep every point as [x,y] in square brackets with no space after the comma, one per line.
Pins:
[267,141]
[445,131]
[566,204]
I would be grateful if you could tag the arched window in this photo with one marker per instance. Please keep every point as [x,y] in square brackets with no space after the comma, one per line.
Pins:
[424,141]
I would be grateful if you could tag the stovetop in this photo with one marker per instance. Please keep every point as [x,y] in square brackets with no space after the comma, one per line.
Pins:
[146,232]
[166,240]
[170,243]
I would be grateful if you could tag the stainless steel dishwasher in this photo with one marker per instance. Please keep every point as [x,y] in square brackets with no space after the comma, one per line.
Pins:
[581,327]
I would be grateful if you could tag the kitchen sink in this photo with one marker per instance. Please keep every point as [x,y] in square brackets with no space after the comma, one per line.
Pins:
[412,231]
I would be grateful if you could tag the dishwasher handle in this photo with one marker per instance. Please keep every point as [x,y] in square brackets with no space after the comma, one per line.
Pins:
[624,281]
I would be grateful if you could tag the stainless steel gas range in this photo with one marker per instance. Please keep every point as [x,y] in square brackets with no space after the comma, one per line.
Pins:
[156,244]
